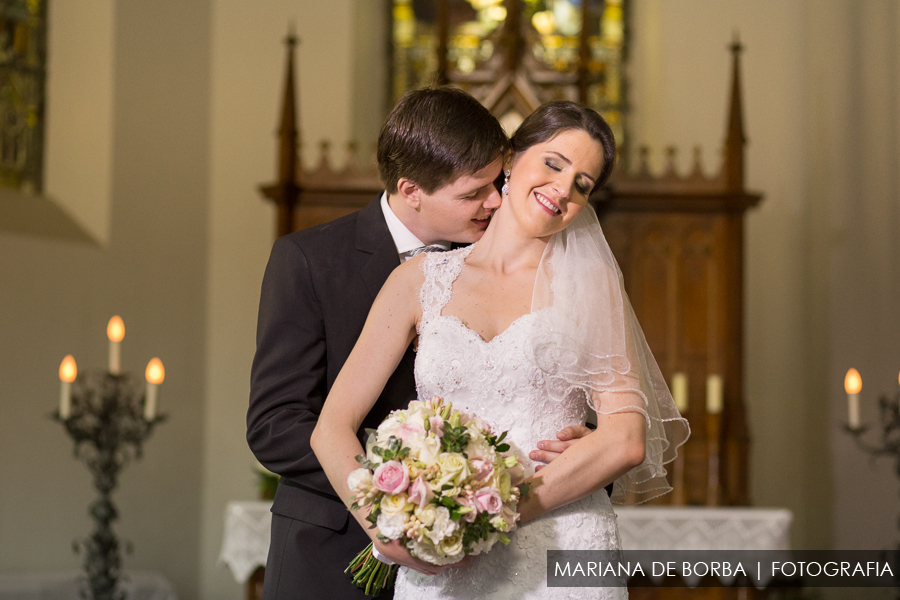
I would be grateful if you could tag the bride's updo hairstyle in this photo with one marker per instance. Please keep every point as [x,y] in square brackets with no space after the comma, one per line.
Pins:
[551,119]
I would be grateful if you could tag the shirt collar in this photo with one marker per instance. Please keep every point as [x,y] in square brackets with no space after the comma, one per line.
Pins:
[404,239]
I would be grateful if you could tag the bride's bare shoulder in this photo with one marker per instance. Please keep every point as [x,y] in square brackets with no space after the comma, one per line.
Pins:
[406,280]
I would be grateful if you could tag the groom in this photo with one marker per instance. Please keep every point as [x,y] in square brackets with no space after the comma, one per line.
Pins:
[439,153]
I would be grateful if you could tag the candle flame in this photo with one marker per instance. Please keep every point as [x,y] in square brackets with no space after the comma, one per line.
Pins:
[115,331]
[155,372]
[67,369]
[852,382]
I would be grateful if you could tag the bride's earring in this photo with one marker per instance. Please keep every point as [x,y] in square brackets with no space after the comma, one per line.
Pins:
[505,189]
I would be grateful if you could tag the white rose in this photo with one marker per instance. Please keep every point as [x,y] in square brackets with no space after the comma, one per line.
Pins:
[429,450]
[359,481]
[417,412]
[452,546]
[391,525]
[443,525]
[389,426]
[454,468]
[426,551]
[395,504]
[426,515]
[502,482]
[482,546]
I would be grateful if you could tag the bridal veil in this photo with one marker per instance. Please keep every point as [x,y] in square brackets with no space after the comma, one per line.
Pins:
[592,344]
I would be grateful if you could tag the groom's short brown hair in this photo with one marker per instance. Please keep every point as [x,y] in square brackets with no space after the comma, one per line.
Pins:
[433,136]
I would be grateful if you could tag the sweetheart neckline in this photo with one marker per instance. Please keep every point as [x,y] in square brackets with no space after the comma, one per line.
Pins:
[477,335]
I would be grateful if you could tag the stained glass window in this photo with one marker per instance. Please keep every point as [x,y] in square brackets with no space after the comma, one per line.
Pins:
[565,48]
[22,75]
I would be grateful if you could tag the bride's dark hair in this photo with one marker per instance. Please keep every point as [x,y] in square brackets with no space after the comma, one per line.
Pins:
[552,118]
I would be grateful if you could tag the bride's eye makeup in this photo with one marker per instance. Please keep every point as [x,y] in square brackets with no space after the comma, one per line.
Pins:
[552,165]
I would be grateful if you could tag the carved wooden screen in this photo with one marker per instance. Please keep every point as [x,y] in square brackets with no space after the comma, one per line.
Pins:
[679,241]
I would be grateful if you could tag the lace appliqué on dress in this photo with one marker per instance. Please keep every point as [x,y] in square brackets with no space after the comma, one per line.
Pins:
[498,381]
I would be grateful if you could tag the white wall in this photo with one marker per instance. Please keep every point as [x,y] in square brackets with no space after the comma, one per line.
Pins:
[56,298]
[79,112]
[247,78]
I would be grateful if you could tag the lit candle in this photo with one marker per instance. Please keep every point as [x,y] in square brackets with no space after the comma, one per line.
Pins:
[115,331]
[853,385]
[67,372]
[680,391]
[714,394]
[155,375]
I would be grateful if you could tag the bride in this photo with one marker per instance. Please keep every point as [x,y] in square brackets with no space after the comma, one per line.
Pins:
[529,329]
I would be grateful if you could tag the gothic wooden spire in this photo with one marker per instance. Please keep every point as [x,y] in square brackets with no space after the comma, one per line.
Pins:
[286,190]
[735,139]
[287,133]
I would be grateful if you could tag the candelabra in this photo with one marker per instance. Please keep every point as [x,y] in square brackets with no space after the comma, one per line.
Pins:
[105,415]
[889,445]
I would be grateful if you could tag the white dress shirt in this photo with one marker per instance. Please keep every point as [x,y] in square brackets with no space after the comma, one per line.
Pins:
[404,239]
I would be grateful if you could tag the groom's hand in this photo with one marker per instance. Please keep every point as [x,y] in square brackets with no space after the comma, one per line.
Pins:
[397,552]
[548,450]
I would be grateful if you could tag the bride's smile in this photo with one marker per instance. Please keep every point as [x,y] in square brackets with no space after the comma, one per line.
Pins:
[550,183]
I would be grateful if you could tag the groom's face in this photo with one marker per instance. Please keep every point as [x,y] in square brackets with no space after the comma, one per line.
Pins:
[460,211]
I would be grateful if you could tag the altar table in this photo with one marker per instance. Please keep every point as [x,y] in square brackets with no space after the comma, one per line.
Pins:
[245,543]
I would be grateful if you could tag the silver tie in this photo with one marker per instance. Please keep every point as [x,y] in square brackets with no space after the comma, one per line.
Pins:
[420,250]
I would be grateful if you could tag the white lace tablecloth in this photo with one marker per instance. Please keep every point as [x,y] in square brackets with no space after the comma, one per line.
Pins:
[66,585]
[247,528]
[245,543]
[704,528]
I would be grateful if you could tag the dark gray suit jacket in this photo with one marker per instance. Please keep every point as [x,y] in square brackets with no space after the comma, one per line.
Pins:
[316,294]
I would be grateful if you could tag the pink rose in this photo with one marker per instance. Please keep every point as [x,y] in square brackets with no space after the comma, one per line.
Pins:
[482,469]
[420,492]
[509,515]
[437,425]
[488,500]
[408,430]
[391,477]
[468,503]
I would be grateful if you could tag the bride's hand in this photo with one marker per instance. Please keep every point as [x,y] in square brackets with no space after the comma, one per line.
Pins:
[549,450]
[397,552]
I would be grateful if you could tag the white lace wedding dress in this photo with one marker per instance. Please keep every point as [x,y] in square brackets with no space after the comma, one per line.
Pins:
[497,381]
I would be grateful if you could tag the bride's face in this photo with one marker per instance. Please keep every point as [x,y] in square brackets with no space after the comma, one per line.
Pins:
[550,182]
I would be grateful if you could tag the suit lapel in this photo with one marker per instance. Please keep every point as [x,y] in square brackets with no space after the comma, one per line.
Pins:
[374,240]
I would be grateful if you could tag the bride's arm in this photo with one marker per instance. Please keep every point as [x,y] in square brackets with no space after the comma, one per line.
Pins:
[389,329]
[589,464]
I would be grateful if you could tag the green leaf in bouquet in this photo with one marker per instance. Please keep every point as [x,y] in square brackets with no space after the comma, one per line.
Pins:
[524,488]
[502,447]
[354,506]
[479,529]
[448,502]
[455,439]
[455,514]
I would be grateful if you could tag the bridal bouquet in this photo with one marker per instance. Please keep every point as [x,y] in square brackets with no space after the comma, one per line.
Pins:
[436,479]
